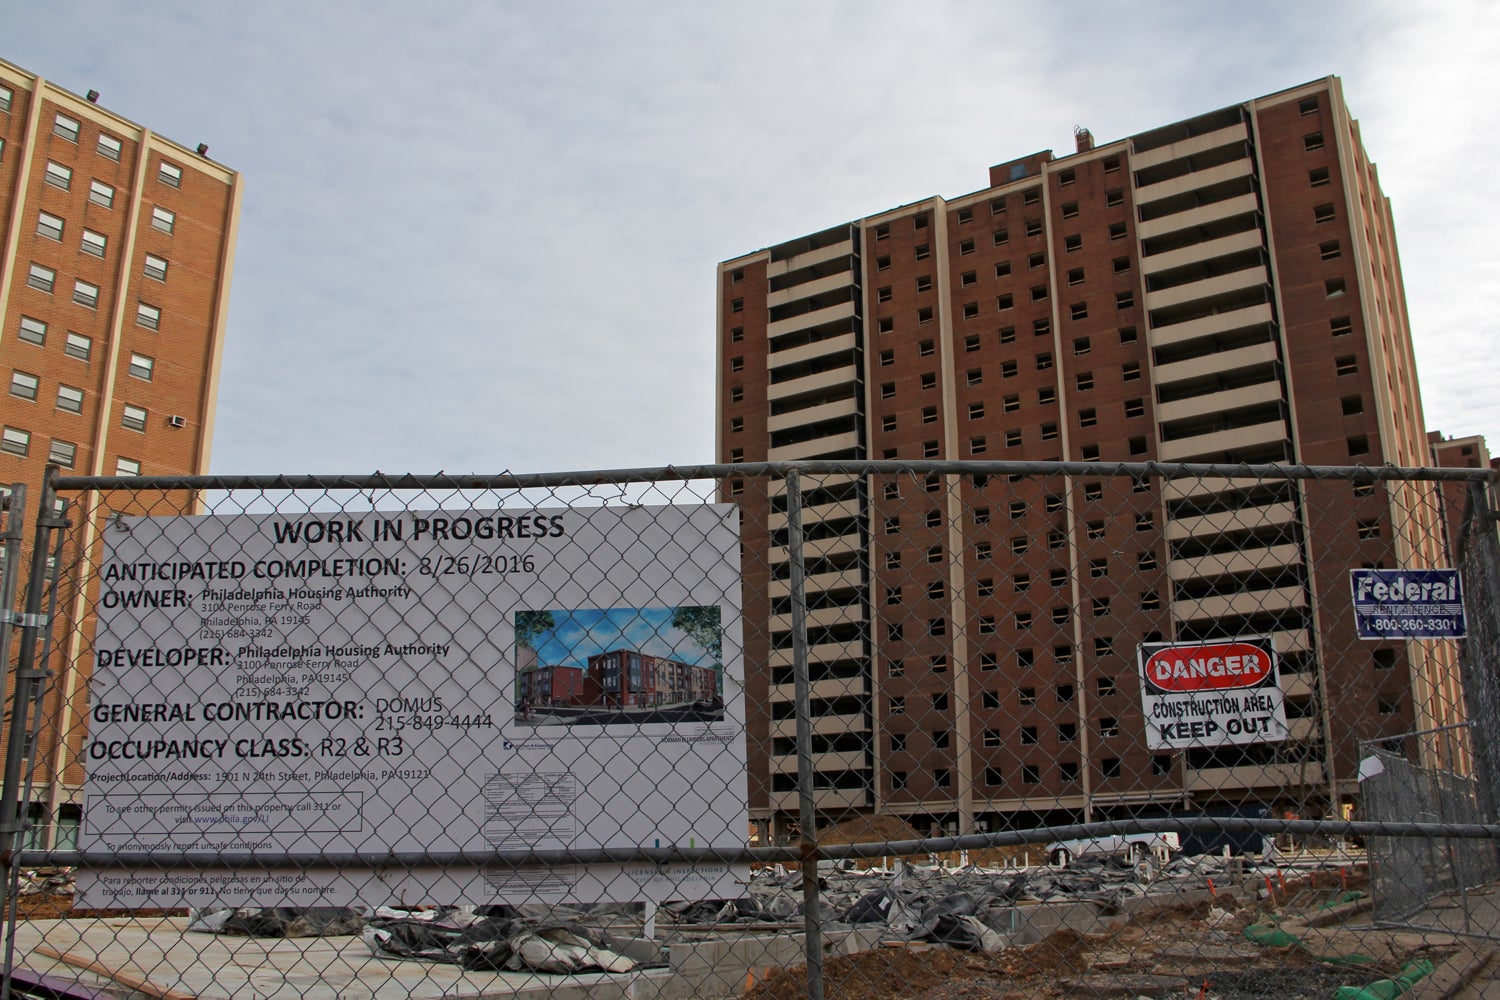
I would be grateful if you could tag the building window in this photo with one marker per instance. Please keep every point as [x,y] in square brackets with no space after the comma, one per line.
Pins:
[997,206]
[1049,432]
[169,174]
[1329,250]
[1028,736]
[58,175]
[127,467]
[1033,227]
[1044,361]
[1013,439]
[929,380]
[736,424]
[1130,371]
[1019,544]
[736,364]
[65,128]
[1114,197]
[85,294]
[1087,417]
[887,390]
[1323,213]
[6,95]
[1340,326]
[922,252]
[156,267]
[134,418]
[1046,395]
[15,441]
[1075,276]
[965,248]
[1358,444]
[926,349]
[924,315]
[883,294]
[1010,404]
[965,215]
[1333,288]
[1351,405]
[971,343]
[49,226]
[143,367]
[1318,177]
[102,194]
[919,221]
[33,331]
[898,778]
[78,346]
[1346,365]
[1072,244]
[1146,560]
[929,449]
[1312,141]
[1079,310]
[41,278]
[1308,106]
[1096,529]
[1124,300]
[887,324]
[163,220]
[70,398]
[23,385]
[888,423]
[1367,529]
[63,453]
[1004,302]
[935,554]
[93,243]
[1000,237]
[893,596]
[1070,210]
[108,147]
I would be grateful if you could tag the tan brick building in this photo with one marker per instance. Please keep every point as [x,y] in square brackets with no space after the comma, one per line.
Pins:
[114,291]
[1223,289]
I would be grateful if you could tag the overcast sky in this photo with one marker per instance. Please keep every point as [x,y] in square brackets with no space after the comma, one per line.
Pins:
[481,236]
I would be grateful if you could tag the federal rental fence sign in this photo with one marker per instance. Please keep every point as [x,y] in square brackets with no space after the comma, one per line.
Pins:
[474,681]
[1211,694]
[1408,603]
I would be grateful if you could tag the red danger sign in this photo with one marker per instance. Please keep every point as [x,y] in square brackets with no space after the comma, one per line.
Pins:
[1220,666]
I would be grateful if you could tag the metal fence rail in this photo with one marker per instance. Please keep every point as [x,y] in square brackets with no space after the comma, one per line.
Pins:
[670,731]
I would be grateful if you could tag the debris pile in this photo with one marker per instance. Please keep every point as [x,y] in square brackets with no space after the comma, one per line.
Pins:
[462,937]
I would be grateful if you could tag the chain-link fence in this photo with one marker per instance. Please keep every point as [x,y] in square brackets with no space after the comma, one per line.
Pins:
[674,732]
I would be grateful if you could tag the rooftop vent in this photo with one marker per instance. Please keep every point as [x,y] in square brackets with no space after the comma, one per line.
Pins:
[1084,138]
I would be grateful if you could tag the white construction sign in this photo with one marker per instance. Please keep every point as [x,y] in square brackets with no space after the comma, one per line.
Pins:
[421,682]
[1211,694]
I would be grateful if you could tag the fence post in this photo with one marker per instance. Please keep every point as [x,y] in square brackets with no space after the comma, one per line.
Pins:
[806,804]
[1479,566]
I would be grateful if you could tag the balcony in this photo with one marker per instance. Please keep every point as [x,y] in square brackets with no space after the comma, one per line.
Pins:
[1212,212]
[814,448]
[821,618]
[1243,604]
[808,289]
[1207,250]
[813,382]
[813,414]
[824,799]
[1192,181]
[1215,443]
[1268,776]
[823,725]
[817,583]
[1242,561]
[1208,326]
[1234,281]
[1242,519]
[803,321]
[851,761]
[1225,399]
[777,268]
[819,547]
[1187,147]
[817,349]
[824,652]
[833,687]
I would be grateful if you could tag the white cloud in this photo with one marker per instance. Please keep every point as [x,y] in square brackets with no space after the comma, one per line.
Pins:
[479,237]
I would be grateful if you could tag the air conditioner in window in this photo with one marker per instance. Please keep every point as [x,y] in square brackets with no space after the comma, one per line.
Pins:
[177,421]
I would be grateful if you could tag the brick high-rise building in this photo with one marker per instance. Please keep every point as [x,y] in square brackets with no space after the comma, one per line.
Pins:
[1224,289]
[114,291]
